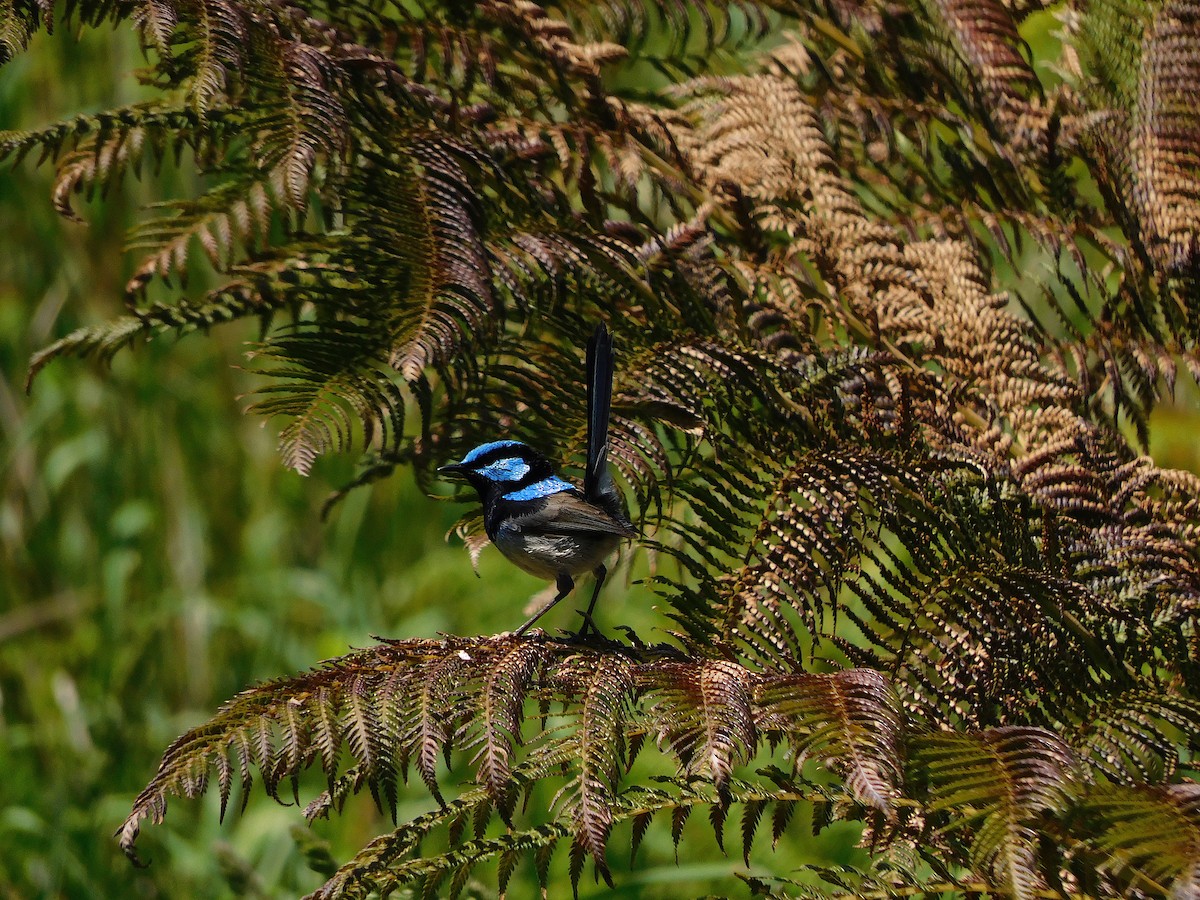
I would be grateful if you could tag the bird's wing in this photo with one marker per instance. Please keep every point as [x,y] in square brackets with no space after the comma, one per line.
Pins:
[570,514]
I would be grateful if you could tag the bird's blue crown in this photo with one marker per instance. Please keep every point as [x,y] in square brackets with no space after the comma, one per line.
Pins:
[484,449]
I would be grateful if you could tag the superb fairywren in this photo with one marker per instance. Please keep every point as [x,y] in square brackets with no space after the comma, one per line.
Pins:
[548,526]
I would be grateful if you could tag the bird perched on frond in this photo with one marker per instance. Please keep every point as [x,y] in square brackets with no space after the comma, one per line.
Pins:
[546,525]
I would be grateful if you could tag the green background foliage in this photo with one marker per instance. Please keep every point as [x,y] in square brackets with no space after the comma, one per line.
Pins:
[157,558]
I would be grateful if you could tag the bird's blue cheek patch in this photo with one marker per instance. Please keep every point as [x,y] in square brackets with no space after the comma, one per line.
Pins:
[512,468]
[543,488]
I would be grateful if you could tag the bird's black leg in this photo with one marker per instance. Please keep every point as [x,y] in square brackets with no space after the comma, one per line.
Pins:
[601,573]
[565,586]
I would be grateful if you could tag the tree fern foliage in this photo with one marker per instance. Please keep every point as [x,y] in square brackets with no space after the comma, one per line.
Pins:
[894,303]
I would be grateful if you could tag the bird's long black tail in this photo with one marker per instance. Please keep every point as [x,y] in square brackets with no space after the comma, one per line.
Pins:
[600,361]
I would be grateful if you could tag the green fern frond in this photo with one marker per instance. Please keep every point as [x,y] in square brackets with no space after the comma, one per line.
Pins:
[237,212]
[387,861]
[370,866]
[149,122]
[1149,836]
[1135,736]
[999,783]
[249,295]
[103,341]
[18,22]
[336,383]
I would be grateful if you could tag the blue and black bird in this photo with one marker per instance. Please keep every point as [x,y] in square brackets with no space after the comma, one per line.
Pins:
[544,524]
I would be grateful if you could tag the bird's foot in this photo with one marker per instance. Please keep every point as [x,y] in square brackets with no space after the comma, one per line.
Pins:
[589,625]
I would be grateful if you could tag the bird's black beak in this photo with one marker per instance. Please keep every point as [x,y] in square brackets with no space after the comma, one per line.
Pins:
[454,469]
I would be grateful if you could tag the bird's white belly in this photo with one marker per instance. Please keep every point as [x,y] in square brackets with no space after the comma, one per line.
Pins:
[546,555]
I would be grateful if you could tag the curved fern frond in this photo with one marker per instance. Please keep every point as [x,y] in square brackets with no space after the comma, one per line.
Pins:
[707,715]
[1135,736]
[150,123]
[255,292]
[410,702]
[851,718]
[606,698]
[238,212]
[337,384]
[389,861]
[1149,837]
[999,783]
